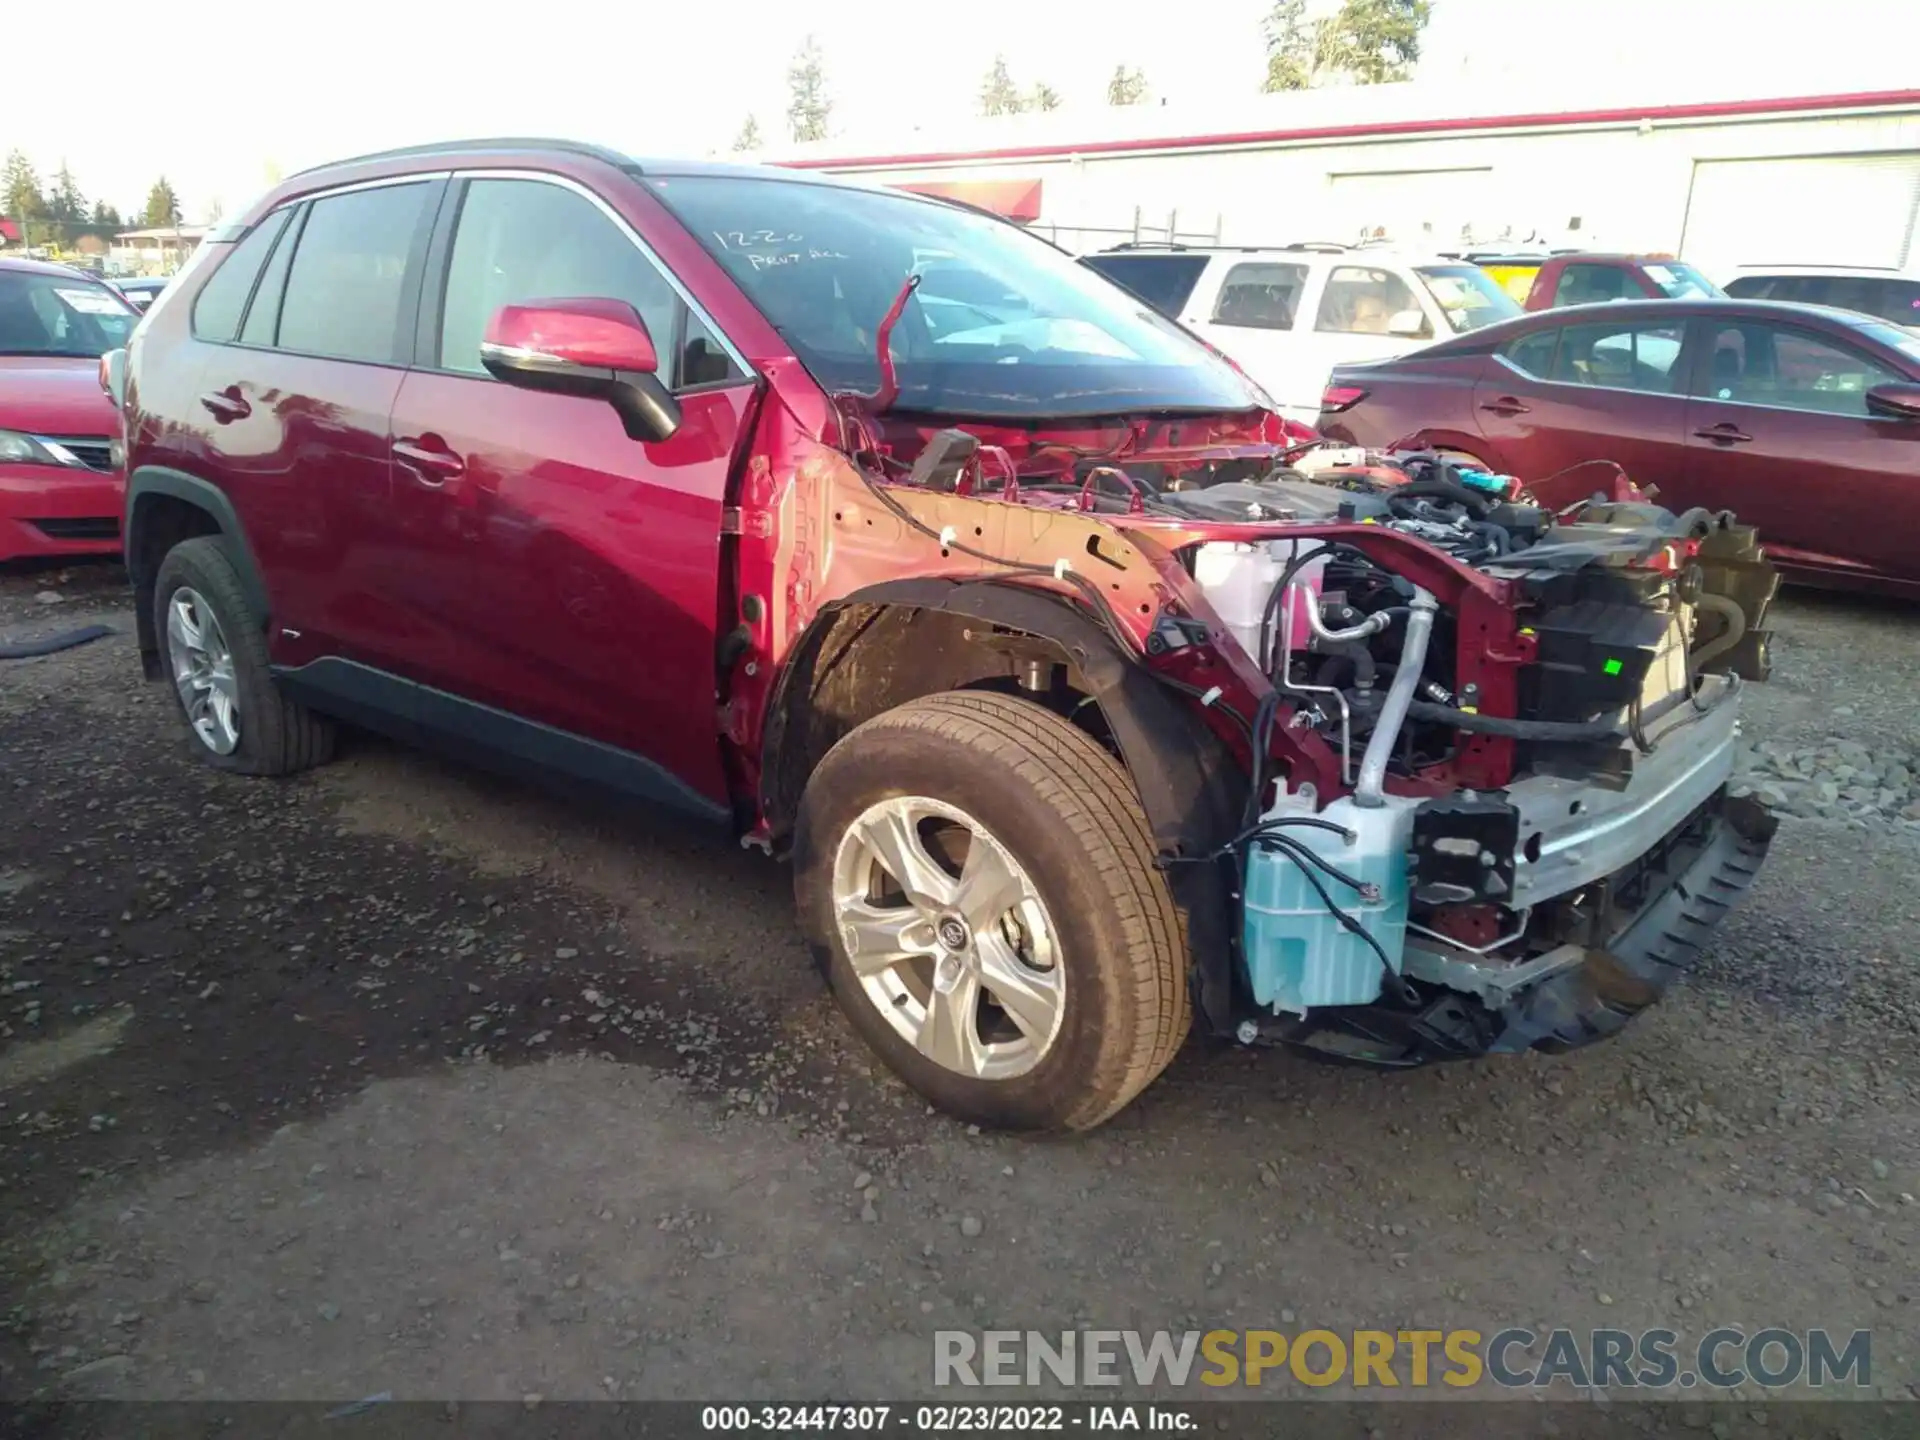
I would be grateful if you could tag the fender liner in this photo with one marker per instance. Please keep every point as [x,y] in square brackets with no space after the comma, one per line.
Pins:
[1189,787]
[203,495]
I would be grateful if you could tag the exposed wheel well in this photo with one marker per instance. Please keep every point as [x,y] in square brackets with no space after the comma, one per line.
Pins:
[909,639]
[158,523]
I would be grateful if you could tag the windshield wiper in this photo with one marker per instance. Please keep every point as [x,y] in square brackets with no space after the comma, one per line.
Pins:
[888,391]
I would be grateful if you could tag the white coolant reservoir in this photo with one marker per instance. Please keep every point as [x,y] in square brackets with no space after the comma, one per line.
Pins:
[1237,579]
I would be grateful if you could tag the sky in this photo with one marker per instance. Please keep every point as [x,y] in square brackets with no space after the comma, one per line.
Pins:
[221,109]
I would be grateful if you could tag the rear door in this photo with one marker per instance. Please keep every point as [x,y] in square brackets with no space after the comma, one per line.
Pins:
[310,321]
[549,565]
[1778,431]
[1594,392]
[1350,319]
[1253,315]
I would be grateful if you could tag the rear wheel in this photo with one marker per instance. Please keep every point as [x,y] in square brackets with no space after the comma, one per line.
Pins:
[214,650]
[976,877]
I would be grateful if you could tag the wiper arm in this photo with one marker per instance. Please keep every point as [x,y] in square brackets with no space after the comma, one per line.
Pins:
[889,390]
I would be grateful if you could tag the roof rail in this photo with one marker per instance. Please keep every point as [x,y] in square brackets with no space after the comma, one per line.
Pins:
[1319,247]
[445,147]
[1149,245]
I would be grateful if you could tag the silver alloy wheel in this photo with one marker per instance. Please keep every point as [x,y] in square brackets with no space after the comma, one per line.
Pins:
[949,938]
[203,671]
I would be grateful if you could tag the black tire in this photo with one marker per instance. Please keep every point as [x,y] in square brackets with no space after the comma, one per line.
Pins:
[278,736]
[1069,815]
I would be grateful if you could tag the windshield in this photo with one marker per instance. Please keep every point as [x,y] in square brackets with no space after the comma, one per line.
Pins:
[1680,281]
[61,315]
[1470,297]
[1003,325]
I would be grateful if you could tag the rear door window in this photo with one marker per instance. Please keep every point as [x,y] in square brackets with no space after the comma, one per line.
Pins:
[1260,296]
[222,300]
[1619,357]
[348,277]
[1362,300]
[1163,281]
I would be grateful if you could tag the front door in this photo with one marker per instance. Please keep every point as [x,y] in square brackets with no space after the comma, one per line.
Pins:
[1588,396]
[1778,431]
[554,570]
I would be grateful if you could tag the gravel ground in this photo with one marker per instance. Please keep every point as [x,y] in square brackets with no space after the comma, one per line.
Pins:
[396,1078]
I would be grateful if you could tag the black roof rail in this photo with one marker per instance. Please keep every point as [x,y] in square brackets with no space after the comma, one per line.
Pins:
[464,147]
[1319,247]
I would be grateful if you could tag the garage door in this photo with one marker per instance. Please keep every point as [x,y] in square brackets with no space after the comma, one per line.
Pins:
[1415,207]
[1831,210]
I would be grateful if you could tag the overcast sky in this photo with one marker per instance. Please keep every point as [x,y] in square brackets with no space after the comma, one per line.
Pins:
[217,98]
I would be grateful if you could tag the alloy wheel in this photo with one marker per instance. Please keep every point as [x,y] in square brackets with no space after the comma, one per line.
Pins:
[949,938]
[203,671]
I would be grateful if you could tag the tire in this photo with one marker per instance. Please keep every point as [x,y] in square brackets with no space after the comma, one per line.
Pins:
[271,734]
[1055,804]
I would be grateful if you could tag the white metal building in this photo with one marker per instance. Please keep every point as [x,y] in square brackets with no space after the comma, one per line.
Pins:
[1720,177]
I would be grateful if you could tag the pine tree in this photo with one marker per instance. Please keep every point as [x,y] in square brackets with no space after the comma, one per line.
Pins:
[1043,97]
[163,206]
[749,136]
[998,94]
[1127,87]
[808,108]
[66,202]
[1364,42]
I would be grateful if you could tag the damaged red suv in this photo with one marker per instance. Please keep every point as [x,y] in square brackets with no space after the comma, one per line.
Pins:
[878,533]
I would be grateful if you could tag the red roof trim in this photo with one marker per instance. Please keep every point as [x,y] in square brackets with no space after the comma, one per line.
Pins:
[1017,200]
[9,229]
[1723,109]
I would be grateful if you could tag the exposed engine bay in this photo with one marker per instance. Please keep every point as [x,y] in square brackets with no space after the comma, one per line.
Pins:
[1486,743]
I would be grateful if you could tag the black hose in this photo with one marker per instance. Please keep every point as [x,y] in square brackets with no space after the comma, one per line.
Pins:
[1478,724]
[1478,505]
[66,640]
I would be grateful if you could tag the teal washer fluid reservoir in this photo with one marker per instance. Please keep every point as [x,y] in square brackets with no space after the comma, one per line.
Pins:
[1297,955]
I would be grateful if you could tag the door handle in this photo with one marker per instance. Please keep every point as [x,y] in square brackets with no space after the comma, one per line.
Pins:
[1724,434]
[1505,405]
[430,460]
[226,405]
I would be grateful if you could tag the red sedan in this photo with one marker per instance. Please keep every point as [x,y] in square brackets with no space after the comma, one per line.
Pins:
[1802,420]
[61,489]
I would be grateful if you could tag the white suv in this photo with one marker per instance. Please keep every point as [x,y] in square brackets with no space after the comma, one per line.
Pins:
[1287,316]
[1890,295]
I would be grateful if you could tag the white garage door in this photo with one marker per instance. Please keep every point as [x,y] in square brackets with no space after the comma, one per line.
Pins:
[1414,207]
[1831,210]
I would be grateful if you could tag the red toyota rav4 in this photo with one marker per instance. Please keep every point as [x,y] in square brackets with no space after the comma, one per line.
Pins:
[1077,714]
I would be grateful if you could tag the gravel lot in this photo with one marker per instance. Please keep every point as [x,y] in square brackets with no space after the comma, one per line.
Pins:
[397,1078]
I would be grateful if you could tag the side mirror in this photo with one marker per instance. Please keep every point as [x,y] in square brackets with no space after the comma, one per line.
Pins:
[1408,325]
[1898,401]
[589,347]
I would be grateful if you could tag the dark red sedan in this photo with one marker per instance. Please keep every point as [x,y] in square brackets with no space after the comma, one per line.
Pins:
[1804,421]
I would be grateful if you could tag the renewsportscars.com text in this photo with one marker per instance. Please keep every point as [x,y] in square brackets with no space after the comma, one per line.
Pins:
[1512,1359]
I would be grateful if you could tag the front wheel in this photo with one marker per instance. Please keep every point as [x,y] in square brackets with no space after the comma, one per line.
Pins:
[976,876]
